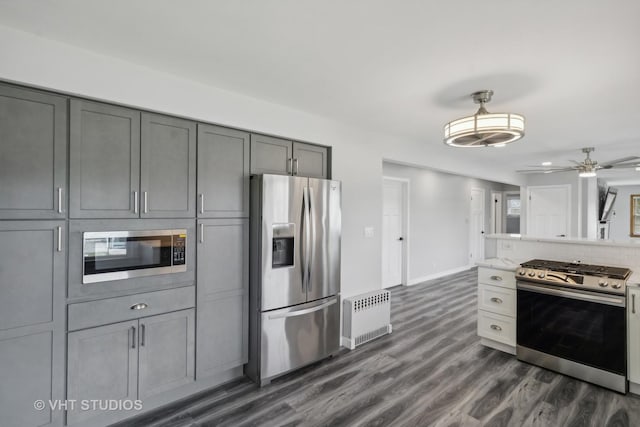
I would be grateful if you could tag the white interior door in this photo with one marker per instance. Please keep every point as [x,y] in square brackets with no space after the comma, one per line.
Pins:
[548,211]
[393,238]
[476,226]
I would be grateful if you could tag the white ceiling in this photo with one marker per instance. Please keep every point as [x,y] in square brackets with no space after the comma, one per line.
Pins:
[571,67]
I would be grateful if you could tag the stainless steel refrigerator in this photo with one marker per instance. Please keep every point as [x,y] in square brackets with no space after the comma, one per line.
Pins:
[294,295]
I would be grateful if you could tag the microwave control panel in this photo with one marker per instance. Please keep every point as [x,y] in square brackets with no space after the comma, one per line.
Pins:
[179,249]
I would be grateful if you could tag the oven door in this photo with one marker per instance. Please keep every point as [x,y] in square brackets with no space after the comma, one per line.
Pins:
[583,327]
[116,255]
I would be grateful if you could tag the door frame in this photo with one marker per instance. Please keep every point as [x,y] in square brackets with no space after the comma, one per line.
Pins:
[568,206]
[477,257]
[406,188]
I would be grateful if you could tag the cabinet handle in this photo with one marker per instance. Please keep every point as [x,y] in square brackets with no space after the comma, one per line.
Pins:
[139,306]
[201,233]
[496,328]
[133,337]
[59,199]
[496,300]
[633,303]
[142,334]
[135,202]
[59,246]
[295,166]
[146,201]
[497,278]
[201,203]
[290,166]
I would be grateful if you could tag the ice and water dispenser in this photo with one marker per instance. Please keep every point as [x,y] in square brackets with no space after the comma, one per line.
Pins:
[283,245]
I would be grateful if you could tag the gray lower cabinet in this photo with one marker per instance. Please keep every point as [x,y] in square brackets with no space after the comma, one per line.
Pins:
[32,292]
[167,167]
[223,172]
[104,161]
[33,154]
[222,296]
[130,360]
[283,157]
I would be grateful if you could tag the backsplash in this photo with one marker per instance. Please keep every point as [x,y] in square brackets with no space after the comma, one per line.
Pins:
[585,252]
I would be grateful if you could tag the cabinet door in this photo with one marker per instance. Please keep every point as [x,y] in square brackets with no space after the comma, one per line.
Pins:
[222,319]
[167,167]
[104,161]
[270,155]
[33,154]
[633,322]
[102,364]
[223,172]
[32,297]
[167,352]
[310,160]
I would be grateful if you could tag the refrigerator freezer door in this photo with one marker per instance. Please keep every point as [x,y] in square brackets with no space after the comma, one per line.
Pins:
[325,226]
[296,336]
[283,281]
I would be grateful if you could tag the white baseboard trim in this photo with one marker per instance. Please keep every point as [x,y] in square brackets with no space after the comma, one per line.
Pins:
[440,274]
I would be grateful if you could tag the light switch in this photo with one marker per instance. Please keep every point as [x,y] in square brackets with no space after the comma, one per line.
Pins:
[368,232]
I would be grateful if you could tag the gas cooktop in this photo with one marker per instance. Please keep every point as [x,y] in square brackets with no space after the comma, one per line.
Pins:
[579,268]
[598,278]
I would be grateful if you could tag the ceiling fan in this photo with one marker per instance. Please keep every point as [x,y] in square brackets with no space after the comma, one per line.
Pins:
[588,166]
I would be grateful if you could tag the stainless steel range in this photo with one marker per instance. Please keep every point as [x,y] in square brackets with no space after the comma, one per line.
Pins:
[571,319]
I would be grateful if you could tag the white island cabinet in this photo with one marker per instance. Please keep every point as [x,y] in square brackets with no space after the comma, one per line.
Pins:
[497,306]
[633,342]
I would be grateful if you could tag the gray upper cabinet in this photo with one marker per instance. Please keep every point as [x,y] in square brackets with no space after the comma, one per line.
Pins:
[310,160]
[32,314]
[222,295]
[167,167]
[104,161]
[33,154]
[283,157]
[166,352]
[223,172]
[270,155]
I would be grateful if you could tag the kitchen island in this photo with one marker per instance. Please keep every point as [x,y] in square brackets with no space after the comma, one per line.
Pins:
[506,252]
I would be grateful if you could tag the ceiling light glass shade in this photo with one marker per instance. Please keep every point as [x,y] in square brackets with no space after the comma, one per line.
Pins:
[484,130]
[587,173]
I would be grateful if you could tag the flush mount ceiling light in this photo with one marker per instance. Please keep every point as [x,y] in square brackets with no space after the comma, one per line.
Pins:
[484,129]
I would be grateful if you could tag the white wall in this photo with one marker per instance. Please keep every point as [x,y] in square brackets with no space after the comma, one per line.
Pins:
[439,218]
[357,152]
[619,225]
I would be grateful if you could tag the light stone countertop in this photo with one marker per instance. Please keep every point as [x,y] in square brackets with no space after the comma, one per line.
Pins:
[627,243]
[499,263]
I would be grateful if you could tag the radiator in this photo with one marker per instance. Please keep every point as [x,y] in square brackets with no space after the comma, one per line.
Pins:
[366,317]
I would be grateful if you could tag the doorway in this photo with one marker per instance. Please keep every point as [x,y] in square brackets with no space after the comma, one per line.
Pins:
[395,231]
[476,226]
[548,210]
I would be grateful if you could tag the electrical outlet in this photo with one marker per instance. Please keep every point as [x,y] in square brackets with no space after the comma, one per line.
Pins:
[368,232]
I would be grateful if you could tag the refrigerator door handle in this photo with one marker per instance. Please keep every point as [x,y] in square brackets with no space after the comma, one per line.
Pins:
[312,230]
[303,243]
[304,311]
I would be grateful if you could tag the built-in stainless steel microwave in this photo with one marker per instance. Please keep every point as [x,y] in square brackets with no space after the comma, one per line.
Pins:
[116,255]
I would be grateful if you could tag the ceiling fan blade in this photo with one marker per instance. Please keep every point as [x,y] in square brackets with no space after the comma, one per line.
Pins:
[577,163]
[623,166]
[550,170]
[616,161]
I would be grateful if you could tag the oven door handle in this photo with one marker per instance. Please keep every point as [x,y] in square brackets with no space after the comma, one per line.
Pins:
[579,295]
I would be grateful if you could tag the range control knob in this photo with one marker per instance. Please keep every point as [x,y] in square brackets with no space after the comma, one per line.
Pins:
[603,284]
[522,271]
[532,273]
[541,275]
[616,285]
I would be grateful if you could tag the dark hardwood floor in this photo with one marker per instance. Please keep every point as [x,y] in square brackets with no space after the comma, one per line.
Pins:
[431,371]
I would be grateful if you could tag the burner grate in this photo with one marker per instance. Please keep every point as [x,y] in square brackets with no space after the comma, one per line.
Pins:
[578,268]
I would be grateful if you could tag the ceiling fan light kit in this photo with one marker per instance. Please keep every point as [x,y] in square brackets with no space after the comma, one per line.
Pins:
[484,129]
